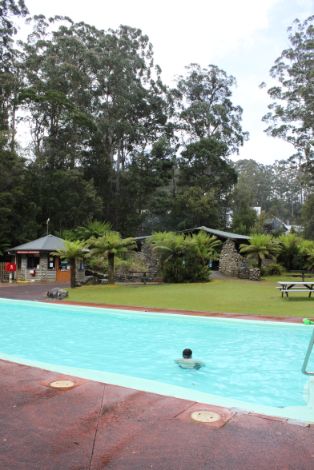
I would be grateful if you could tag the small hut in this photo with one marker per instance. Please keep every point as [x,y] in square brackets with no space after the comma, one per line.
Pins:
[35,261]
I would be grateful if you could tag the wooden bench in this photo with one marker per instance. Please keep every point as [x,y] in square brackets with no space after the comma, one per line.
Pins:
[294,289]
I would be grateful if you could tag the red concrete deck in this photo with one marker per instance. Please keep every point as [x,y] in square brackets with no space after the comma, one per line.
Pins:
[28,291]
[97,426]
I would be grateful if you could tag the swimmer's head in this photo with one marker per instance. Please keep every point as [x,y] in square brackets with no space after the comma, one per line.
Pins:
[187,353]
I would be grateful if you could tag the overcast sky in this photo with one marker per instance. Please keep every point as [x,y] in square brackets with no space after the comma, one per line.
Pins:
[243,37]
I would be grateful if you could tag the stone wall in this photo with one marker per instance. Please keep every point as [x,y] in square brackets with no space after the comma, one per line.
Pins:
[231,263]
[144,261]
[230,260]
[150,258]
[255,274]
[42,271]
[80,272]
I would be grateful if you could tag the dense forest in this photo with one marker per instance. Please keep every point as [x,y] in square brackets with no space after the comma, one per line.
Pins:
[88,131]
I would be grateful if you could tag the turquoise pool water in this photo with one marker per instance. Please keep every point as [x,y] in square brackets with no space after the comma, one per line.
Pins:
[252,362]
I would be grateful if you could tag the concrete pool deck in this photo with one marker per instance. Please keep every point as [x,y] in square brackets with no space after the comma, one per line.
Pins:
[97,426]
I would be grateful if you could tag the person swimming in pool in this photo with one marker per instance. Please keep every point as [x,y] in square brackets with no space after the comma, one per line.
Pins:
[186,362]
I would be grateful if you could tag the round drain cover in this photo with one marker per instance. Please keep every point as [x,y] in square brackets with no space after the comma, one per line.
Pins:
[205,416]
[62,384]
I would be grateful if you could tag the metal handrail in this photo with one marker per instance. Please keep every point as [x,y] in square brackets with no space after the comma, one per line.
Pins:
[307,356]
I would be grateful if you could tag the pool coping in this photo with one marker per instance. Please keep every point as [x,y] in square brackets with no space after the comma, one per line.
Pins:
[241,316]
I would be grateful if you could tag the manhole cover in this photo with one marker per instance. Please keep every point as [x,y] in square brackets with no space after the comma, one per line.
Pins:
[62,384]
[205,416]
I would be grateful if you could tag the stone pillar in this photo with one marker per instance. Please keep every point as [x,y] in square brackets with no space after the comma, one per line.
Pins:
[230,260]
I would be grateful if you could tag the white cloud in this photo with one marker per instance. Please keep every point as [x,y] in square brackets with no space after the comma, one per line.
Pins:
[265,149]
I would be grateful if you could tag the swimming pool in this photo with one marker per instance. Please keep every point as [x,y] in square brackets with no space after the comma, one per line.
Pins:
[252,365]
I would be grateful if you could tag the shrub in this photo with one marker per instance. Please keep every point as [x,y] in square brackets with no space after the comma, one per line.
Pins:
[290,251]
[272,269]
[184,258]
[261,246]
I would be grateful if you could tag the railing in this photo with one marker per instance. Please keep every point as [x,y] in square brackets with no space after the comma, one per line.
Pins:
[307,356]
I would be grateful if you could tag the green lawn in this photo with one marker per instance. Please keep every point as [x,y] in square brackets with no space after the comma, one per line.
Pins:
[219,295]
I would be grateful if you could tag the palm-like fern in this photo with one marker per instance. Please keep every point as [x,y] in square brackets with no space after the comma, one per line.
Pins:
[110,245]
[206,246]
[184,257]
[71,251]
[261,246]
[291,244]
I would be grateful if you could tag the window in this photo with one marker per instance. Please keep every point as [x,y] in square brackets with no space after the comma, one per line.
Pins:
[64,265]
[32,262]
[51,262]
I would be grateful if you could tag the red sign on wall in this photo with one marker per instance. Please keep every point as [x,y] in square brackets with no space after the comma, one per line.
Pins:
[10,267]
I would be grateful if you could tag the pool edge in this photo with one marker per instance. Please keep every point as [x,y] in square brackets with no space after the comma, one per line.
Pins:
[295,414]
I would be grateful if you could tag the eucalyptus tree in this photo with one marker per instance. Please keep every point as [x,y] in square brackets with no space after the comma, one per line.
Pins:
[149,178]
[56,92]
[257,180]
[204,163]
[203,99]
[131,111]
[279,189]
[16,209]
[206,177]
[308,217]
[289,190]
[63,195]
[244,215]
[95,98]
[291,114]
[9,68]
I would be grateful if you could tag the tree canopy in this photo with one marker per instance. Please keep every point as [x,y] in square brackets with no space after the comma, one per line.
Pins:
[291,114]
[109,141]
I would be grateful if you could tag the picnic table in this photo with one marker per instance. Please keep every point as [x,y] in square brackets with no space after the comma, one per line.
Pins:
[295,286]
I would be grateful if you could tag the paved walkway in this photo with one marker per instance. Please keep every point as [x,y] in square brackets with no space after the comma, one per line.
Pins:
[98,426]
[31,291]
[95,426]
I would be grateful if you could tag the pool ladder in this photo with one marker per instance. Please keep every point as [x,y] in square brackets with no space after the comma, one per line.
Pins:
[307,356]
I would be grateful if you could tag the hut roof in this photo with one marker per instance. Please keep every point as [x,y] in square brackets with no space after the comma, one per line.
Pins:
[219,233]
[47,243]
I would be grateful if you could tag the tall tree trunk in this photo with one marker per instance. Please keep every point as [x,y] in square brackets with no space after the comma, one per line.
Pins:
[110,268]
[73,272]
[13,126]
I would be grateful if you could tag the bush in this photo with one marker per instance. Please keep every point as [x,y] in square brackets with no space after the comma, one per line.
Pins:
[272,269]
[184,258]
